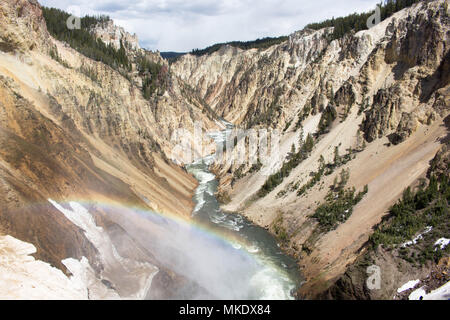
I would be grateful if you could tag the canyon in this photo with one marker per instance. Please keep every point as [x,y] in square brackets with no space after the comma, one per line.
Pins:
[86,169]
[389,87]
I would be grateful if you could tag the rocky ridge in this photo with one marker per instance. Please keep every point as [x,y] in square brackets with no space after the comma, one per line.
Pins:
[113,35]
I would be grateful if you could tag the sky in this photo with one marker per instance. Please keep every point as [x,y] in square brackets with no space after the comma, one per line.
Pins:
[183,25]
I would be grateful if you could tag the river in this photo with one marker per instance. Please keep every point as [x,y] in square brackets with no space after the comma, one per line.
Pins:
[268,273]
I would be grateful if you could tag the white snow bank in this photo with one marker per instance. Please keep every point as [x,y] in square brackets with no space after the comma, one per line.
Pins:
[131,279]
[416,294]
[442,293]
[23,277]
[84,278]
[80,217]
[409,285]
[442,243]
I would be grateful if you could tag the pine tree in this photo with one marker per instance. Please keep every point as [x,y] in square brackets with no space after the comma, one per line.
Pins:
[301,136]
[337,157]
[309,143]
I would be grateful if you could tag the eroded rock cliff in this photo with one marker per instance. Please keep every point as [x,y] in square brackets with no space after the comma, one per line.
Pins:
[73,129]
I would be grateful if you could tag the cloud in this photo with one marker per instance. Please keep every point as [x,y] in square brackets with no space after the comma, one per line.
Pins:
[179,25]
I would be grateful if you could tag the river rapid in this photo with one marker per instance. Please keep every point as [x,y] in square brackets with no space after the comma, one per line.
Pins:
[267,272]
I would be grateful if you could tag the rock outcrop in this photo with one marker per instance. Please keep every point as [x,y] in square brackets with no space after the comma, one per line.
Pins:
[114,35]
[22,26]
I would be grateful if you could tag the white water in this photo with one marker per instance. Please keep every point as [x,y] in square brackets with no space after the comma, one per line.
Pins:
[276,275]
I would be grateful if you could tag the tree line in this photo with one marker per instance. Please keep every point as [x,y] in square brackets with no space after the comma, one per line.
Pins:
[82,40]
[341,25]
[358,21]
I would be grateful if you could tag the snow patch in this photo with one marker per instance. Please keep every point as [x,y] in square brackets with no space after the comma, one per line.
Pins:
[81,217]
[23,277]
[131,279]
[417,294]
[419,237]
[84,279]
[442,243]
[409,285]
[442,293]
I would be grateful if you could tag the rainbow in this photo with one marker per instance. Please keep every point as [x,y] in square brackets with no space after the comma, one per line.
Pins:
[201,229]
[169,232]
